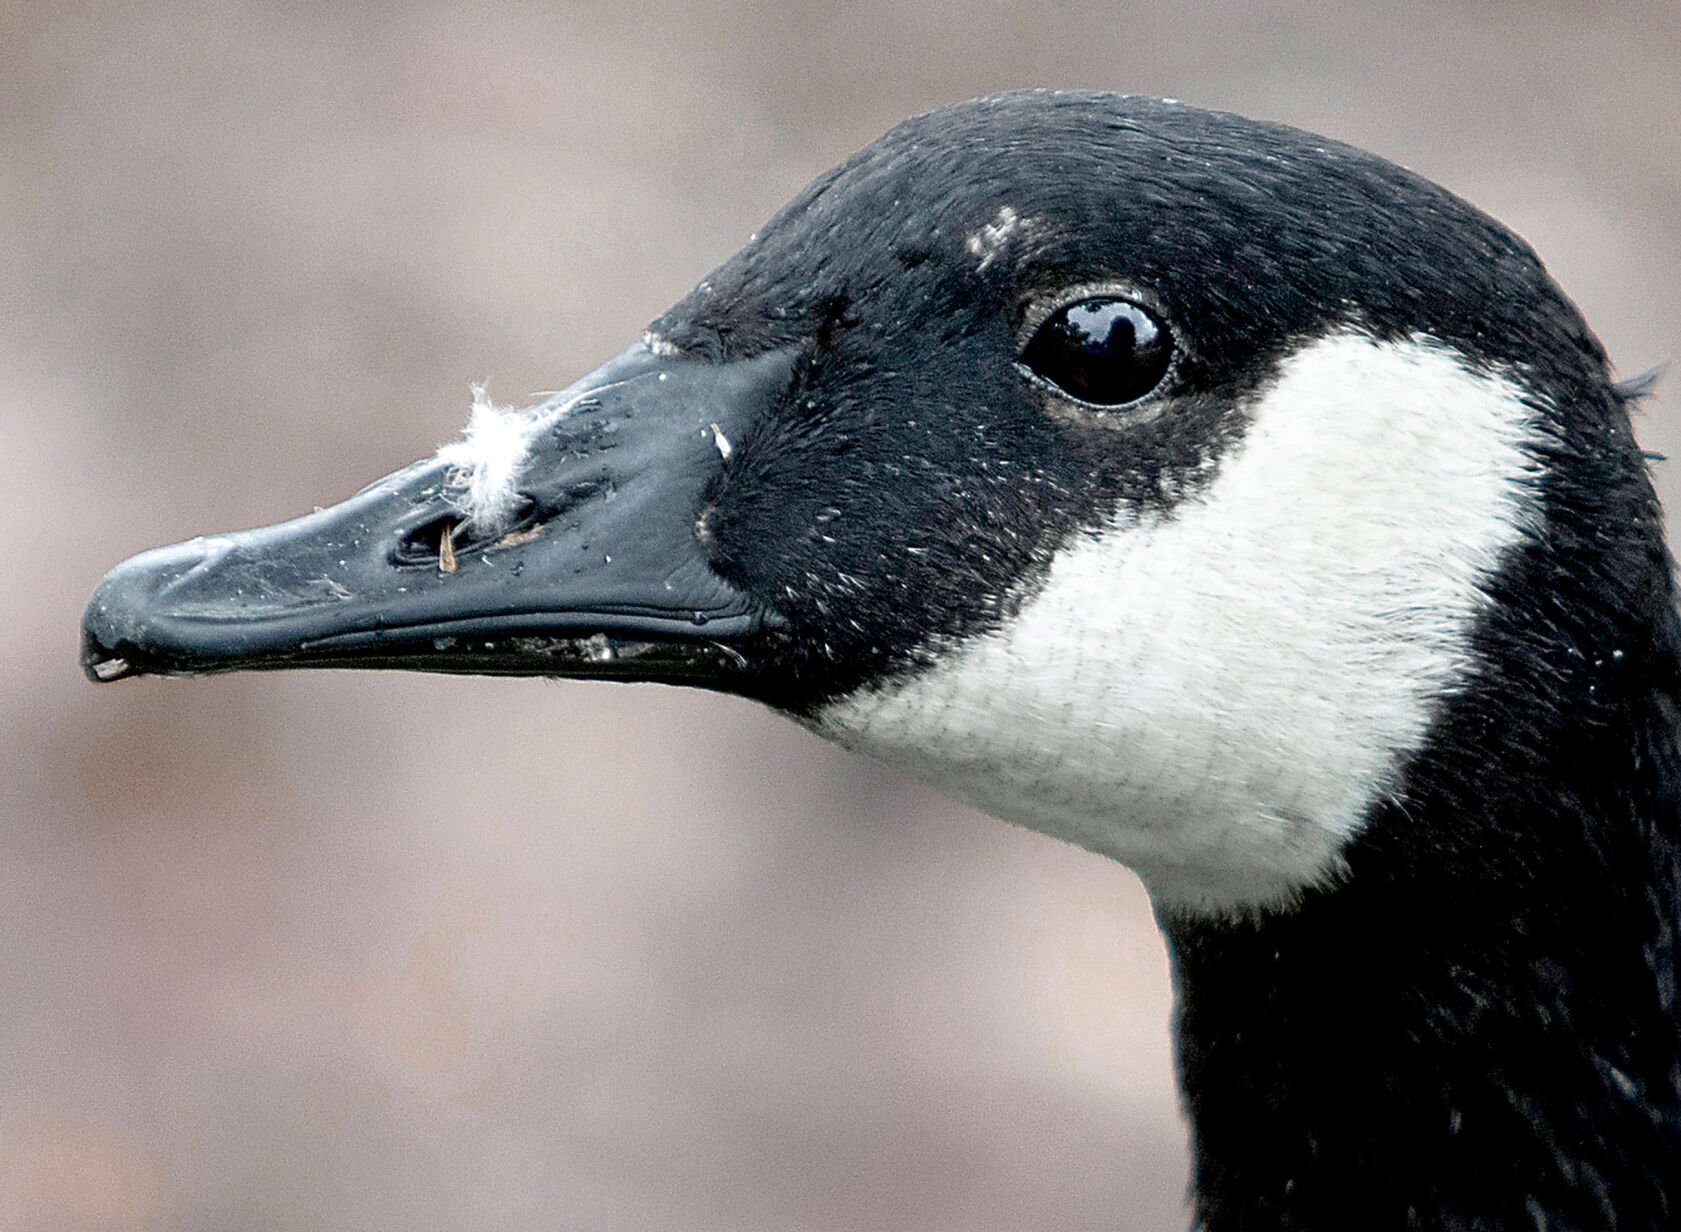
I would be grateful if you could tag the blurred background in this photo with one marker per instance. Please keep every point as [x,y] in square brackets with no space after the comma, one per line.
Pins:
[374,952]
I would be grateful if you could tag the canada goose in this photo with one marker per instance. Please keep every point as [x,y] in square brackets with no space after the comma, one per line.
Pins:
[1214,496]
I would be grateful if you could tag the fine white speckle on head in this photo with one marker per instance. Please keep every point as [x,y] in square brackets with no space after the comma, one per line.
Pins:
[1218,694]
[658,345]
[989,241]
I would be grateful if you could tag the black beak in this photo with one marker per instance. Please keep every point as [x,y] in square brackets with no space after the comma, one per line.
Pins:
[601,570]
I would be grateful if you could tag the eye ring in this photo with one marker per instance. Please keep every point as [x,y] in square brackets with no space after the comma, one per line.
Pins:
[1100,347]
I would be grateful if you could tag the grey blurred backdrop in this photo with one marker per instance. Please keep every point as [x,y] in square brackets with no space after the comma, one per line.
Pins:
[375,952]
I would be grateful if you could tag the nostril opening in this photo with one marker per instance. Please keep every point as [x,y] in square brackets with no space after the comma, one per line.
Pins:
[424,544]
[443,538]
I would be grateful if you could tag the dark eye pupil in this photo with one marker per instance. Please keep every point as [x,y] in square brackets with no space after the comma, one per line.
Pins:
[1105,351]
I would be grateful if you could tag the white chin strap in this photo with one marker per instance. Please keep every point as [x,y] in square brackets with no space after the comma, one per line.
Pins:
[1217,694]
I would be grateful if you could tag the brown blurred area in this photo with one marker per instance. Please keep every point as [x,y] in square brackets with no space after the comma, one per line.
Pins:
[374,952]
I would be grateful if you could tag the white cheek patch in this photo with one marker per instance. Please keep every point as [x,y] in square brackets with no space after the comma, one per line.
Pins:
[486,463]
[1216,696]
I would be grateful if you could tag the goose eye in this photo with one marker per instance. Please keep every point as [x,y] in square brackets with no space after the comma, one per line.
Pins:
[1104,351]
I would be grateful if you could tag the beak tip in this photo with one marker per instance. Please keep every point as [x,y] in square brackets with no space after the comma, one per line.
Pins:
[119,615]
[110,621]
[102,667]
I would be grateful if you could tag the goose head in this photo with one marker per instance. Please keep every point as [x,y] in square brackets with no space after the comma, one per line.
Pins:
[1186,487]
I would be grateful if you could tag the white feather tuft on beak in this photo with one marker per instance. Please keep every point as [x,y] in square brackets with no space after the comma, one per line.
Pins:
[487,462]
